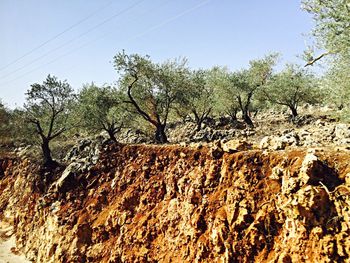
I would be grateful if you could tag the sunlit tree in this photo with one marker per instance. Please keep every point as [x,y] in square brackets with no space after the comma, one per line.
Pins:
[151,88]
[100,109]
[291,87]
[47,107]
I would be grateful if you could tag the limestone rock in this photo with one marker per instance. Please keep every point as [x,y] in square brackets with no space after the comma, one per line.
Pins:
[235,146]
[279,143]
[272,143]
[204,205]
[342,131]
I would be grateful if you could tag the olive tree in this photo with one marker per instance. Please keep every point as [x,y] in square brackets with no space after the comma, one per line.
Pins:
[332,24]
[4,121]
[47,107]
[197,98]
[332,33]
[337,84]
[243,93]
[100,109]
[291,87]
[224,94]
[151,88]
[243,84]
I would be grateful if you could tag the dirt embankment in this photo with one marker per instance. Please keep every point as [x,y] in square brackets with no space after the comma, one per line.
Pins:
[177,204]
[8,251]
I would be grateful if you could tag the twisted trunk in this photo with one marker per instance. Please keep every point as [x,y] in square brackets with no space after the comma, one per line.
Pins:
[246,118]
[294,112]
[46,152]
[160,135]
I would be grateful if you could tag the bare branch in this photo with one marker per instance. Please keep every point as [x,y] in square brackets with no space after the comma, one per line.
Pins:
[314,60]
[58,133]
[135,104]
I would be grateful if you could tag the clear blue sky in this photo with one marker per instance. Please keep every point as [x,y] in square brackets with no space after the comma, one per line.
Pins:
[217,32]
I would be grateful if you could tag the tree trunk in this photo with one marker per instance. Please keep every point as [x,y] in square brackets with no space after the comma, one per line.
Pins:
[244,109]
[294,112]
[198,120]
[233,116]
[199,125]
[247,119]
[160,135]
[46,152]
[112,135]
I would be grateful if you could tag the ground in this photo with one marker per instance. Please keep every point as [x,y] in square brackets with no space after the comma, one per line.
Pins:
[272,196]
[8,251]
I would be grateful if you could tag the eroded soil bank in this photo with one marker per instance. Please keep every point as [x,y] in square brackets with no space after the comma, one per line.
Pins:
[8,251]
[180,204]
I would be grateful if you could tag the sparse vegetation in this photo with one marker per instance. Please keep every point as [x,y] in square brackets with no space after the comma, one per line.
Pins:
[154,94]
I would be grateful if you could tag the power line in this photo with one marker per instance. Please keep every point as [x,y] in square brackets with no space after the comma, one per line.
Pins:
[75,38]
[167,21]
[56,36]
[171,19]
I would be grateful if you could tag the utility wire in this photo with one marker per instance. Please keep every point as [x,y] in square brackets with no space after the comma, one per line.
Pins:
[167,21]
[75,38]
[171,19]
[56,36]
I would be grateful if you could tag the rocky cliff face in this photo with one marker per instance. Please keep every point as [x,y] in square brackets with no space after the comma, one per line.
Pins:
[180,204]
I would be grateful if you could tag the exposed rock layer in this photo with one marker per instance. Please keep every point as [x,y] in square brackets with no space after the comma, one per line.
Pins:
[177,204]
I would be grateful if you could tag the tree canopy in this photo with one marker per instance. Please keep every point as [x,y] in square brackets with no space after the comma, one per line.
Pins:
[291,87]
[48,109]
[332,26]
[197,98]
[100,108]
[151,88]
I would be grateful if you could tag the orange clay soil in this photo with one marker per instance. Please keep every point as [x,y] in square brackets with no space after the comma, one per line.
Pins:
[175,204]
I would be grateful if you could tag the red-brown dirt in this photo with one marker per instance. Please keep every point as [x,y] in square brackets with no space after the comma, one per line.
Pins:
[176,204]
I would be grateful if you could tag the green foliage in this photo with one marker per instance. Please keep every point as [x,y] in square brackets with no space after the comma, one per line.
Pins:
[14,127]
[337,83]
[21,130]
[47,109]
[197,98]
[237,89]
[152,89]
[3,112]
[223,97]
[260,70]
[4,123]
[291,87]
[332,31]
[332,24]
[48,104]
[101,109]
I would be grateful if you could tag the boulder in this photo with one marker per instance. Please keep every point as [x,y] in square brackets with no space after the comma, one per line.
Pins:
[236,146]
[271,143]
[67,179]
[314,172]
[342,131]
[279,143]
